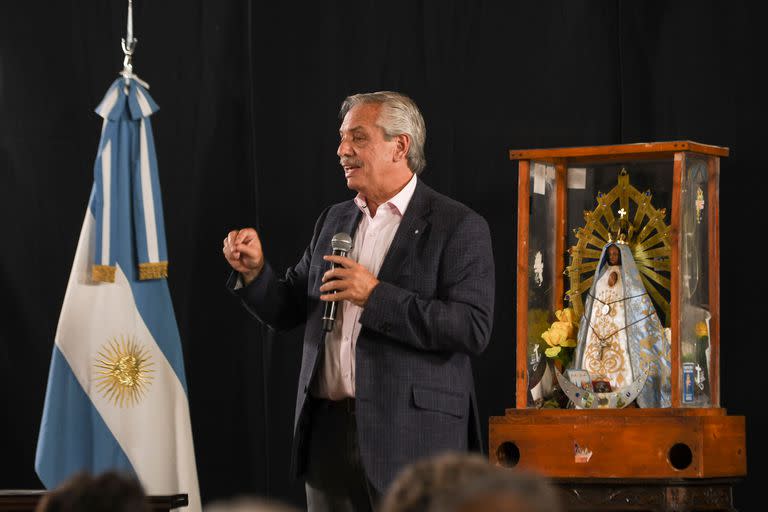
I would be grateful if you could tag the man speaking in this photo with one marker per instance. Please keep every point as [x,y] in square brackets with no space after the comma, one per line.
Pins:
[385,375]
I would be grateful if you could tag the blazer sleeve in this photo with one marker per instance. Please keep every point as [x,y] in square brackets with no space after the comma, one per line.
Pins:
[460,317]
[279,302]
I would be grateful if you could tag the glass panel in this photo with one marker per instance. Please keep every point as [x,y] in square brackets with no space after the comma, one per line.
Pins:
[694,284]
[618,277]
[541,278]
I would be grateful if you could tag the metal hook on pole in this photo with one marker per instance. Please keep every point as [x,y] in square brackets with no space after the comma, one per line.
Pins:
[128,44]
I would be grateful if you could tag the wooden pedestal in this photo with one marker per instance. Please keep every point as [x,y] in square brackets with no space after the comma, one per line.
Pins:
[699,495]
[662,456]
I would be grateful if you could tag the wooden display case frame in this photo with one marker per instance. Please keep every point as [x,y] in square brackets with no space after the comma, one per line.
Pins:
[624,443]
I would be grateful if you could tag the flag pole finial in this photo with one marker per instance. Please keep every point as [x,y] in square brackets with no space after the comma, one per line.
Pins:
[128,44]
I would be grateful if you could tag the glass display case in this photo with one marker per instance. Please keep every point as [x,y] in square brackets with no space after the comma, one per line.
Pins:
[658,201]
[618,318]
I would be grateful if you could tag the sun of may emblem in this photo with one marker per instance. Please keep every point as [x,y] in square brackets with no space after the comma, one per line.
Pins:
[123,372]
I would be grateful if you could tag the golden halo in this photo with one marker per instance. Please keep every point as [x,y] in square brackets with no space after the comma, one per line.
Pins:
[647,237]
[123,373]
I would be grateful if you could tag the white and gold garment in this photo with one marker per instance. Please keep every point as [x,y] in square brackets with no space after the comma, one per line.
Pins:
[605,354]
[621,322]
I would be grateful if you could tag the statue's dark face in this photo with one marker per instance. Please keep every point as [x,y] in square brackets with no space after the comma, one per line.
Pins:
[614,256]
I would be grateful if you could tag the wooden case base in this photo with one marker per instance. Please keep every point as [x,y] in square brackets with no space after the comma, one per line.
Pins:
[670,495]
[620,443]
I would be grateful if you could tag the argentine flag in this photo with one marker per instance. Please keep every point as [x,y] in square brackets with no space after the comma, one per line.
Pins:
[117,395]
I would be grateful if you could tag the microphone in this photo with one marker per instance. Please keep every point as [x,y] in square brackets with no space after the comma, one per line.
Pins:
[341,244]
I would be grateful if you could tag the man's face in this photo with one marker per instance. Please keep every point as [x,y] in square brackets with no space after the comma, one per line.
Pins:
[363,153]
[613,255]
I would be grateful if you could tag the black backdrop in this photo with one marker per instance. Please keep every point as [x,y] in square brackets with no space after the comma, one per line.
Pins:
[246,135]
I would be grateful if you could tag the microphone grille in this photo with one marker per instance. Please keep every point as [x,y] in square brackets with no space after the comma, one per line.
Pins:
[341,242]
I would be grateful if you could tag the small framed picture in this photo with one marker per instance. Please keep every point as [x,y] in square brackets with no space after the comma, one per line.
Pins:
[580,378]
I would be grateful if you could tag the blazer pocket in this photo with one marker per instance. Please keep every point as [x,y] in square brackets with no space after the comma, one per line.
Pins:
[455,404]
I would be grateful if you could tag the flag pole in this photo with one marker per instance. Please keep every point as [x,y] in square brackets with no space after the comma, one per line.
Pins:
[128,43]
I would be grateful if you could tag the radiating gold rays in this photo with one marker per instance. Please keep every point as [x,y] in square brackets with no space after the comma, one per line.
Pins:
[649,242]
[123,371]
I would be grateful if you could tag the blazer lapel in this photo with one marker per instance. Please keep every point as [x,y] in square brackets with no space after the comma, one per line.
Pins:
[411,227]
[348,220]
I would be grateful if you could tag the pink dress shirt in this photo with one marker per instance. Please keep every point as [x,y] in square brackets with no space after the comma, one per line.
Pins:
[370,244]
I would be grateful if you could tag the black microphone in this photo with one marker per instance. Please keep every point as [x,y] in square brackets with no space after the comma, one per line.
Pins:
[341,244]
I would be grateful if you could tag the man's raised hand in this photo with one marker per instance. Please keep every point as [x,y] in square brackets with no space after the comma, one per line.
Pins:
[242,250]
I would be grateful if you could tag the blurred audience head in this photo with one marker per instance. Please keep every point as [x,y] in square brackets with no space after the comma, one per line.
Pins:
[416,487]
[110,491]
[502,490]
[463,482]
[248,504]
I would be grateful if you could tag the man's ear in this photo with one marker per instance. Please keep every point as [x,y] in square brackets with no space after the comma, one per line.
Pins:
[402,145]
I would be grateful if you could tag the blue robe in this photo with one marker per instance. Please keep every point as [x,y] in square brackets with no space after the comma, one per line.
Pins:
[647,345]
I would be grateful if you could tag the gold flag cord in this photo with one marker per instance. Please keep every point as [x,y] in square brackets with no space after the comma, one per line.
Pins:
[103,273]
[106,273]
[156,270]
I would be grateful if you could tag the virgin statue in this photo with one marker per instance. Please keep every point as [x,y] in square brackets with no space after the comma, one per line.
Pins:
[620,335]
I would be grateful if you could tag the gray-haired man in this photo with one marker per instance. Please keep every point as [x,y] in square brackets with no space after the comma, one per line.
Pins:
[392,381]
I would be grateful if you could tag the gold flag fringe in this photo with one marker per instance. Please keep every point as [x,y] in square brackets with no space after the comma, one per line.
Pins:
[157,270]
[103,273]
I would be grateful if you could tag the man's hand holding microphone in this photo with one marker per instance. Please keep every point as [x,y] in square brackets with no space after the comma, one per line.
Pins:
[346,280]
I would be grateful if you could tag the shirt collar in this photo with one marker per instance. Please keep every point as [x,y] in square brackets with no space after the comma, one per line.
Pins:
[398,204]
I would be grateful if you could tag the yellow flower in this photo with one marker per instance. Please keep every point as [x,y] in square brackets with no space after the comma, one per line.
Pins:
[567,328]
[566,315]
[570,329]
[701,329]
[553,337]
[561,334]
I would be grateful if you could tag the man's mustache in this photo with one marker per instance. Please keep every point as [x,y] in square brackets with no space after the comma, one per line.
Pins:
[347,162]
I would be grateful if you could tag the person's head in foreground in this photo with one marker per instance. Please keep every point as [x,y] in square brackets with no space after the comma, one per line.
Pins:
[463,481]
[501,490]
[248,504]
[107,492]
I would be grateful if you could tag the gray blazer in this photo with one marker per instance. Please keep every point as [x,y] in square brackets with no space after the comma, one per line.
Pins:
[432,309]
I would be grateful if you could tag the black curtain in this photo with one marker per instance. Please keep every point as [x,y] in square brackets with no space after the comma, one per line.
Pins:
[246,136]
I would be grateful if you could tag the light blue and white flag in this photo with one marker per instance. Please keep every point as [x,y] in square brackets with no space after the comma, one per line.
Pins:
[117,395]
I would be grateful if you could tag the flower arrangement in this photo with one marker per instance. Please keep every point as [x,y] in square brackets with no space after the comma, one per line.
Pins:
[695,346]
[561,336]
[701,331]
